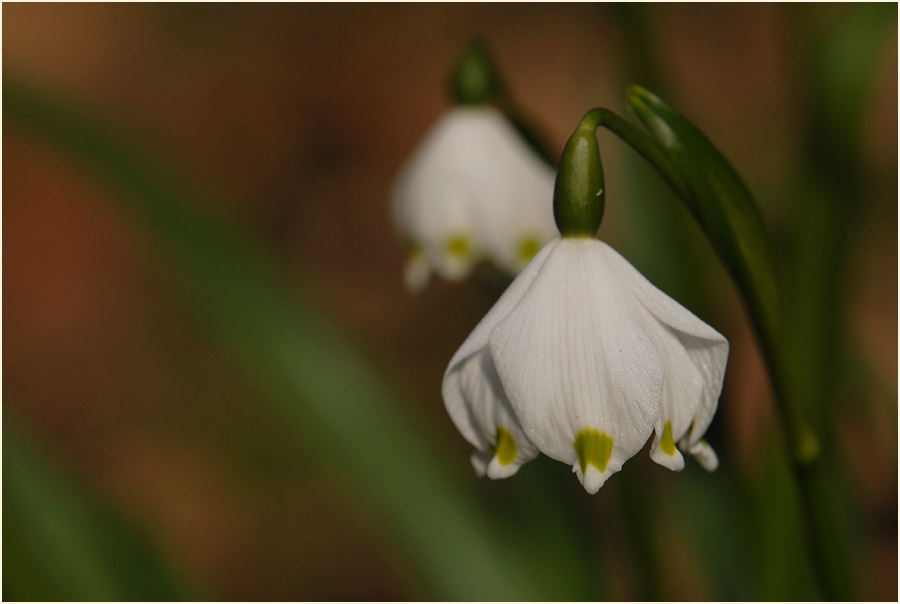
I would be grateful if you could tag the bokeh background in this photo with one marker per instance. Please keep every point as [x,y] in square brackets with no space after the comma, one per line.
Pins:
[158,445]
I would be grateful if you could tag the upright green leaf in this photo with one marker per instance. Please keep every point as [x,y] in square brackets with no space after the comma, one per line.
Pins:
[830,200]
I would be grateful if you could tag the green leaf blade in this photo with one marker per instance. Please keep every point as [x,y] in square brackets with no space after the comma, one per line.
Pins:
[721,203]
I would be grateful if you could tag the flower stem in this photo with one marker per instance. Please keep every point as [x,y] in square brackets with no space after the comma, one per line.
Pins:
[638,141]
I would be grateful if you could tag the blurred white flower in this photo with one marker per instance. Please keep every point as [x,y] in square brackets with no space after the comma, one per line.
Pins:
[473,190]
[582,359]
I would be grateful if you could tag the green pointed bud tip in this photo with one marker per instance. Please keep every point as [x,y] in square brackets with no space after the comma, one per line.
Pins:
[579,195]
[474,80]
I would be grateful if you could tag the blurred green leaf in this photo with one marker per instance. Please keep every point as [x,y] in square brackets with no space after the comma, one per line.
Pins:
[715,520]
[61,542]
[829,200]
[380,452]
[830,197]
[843,62]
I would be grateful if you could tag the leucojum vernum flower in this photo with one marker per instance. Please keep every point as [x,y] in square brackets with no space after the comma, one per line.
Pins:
[582,358]
[473,190]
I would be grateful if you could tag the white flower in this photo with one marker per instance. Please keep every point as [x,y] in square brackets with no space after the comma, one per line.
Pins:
[473,190]
[581,359]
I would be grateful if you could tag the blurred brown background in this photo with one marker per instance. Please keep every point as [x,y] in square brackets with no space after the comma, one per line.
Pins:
[298,117]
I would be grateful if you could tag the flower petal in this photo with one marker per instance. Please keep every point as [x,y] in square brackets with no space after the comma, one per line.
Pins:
[480,409]
[479,337]
[454,255]
[416,272]
[474,180]
[444,225]
[663,451]
[433,196]
[704,346]
[473,394]
[710,358]
[517,220]
[580,372]
[663,307]
[480,462]
[683,392]
[704,454]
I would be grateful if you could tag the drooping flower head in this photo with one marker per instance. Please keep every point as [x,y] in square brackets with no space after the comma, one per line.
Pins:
[473,190]
[582,358]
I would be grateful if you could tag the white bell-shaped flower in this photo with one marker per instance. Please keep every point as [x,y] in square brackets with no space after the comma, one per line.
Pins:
[473,190]
[582,359]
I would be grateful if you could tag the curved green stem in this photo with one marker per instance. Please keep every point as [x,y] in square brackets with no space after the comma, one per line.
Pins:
[640,142]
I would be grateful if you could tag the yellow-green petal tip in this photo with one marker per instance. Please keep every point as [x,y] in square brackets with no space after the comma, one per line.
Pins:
[593,448]
[458,246]
[506,447]
[666,443]
[528,247]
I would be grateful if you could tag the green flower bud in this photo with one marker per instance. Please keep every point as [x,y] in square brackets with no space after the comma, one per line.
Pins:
[579,195]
